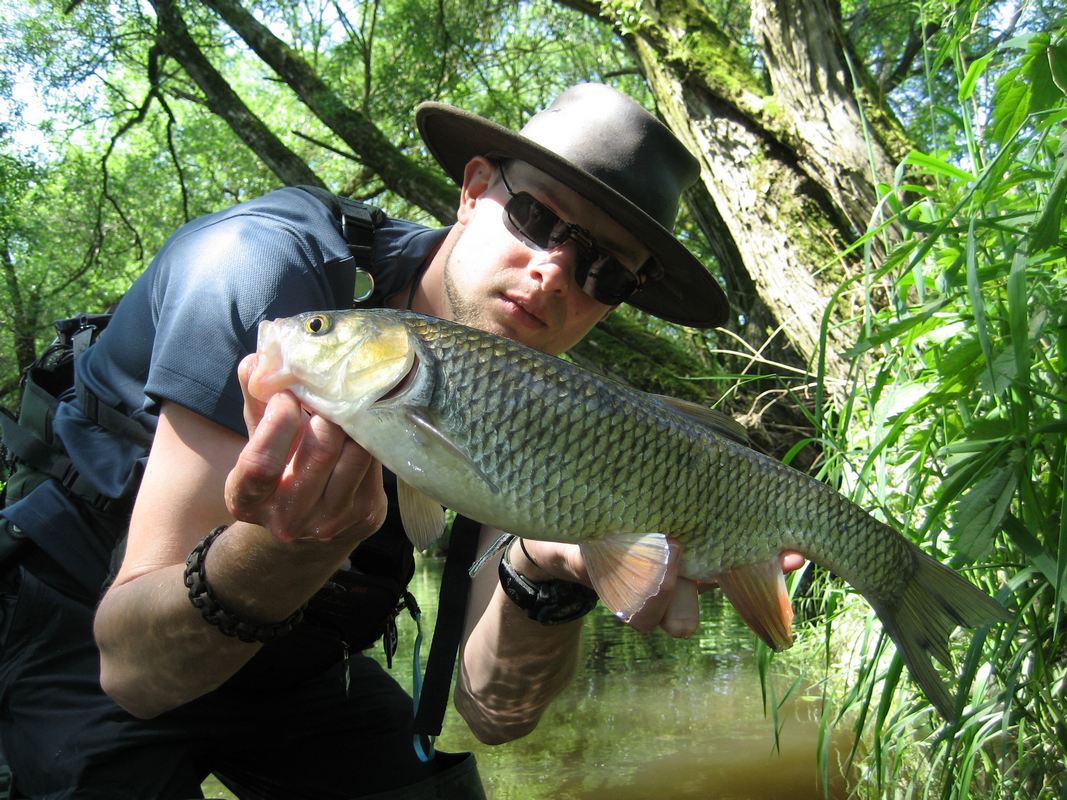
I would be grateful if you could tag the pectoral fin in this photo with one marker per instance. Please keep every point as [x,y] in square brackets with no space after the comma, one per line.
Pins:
[423,518]
[627,569]
[447,454]
[758,593]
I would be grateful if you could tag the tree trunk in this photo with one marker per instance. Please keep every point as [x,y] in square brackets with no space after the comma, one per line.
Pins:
[176,41]
[789,176]
[416,184]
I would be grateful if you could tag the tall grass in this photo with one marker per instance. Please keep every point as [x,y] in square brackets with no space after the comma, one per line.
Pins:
[955,429]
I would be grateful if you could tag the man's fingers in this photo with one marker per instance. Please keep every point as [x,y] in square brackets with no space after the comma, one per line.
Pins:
[791,560]
[262,462]
[683,612]
[253,407]
[353,500]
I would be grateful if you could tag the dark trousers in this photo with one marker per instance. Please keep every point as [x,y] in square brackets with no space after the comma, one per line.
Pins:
[64,738]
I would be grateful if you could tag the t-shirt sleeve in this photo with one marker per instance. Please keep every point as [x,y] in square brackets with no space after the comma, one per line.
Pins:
[216,284]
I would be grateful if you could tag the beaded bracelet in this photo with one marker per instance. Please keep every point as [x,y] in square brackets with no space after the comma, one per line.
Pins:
[201,596]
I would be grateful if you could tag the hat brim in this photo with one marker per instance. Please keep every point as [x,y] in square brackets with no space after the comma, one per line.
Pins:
[687,294]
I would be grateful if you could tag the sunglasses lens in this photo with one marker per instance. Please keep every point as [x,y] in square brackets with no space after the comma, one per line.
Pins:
[534,221]
[600,276]
[606,280]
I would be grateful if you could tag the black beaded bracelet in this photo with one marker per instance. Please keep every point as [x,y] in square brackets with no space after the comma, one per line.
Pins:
[201,596]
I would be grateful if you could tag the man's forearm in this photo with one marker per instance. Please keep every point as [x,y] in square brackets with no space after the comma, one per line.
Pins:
[511,667]
[158,652]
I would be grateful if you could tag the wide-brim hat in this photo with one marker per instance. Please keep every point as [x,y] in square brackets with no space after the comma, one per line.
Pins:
[607,148]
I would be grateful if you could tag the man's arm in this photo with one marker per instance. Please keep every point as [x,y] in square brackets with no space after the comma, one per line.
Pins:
[512,667]
[306,495]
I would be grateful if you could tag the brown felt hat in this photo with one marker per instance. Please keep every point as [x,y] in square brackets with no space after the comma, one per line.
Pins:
[607,148]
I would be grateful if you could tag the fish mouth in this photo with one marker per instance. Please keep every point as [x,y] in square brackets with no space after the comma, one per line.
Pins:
[270,374]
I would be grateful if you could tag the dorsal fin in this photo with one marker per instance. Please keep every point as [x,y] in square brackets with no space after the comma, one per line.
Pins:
[718,421]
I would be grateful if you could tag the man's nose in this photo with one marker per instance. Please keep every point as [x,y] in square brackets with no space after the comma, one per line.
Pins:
[554,269]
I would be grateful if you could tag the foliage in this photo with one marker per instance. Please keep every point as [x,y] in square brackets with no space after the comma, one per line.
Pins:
[956,429]
[109,146]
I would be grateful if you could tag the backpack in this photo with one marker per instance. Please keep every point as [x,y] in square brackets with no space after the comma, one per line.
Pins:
[30,455]
[29,450]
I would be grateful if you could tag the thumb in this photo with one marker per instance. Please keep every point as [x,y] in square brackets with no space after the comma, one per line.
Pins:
[254,407]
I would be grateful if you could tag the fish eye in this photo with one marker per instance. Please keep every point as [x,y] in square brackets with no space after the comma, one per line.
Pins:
[317,323]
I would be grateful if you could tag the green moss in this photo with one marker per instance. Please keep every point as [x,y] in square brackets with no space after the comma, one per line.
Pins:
[624,349]
[693,40]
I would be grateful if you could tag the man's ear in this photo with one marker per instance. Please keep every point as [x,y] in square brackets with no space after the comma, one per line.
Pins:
[478,176]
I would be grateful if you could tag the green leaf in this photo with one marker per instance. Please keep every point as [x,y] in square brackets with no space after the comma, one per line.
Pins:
[1025,89]
[1002,371]
[1018,314]
[1042,560]
[1046,230]
[935,166]
[1011,101]
[1057,64]
[980,512]
[897,328]
[974,72]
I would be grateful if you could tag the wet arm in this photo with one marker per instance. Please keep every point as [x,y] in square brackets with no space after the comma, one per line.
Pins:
[511,667]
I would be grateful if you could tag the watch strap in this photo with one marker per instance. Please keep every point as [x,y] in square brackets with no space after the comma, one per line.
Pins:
[551,602]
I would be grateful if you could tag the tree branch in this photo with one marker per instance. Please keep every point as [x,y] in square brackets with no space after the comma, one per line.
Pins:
[175,39]
[917,38]
[418,185]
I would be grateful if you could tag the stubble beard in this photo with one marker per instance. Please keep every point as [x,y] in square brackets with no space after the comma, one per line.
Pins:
[464,310]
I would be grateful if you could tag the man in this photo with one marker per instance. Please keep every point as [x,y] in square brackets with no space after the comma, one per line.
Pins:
[206,659]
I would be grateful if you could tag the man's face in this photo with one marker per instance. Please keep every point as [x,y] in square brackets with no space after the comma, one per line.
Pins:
[495,281]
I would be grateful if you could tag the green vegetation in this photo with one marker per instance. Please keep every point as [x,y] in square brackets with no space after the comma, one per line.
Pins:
[954,427]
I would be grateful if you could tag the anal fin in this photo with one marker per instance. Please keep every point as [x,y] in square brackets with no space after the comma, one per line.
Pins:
[759,594]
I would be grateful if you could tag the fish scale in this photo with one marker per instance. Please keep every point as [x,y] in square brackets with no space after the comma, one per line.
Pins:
[583,433]
[526,442]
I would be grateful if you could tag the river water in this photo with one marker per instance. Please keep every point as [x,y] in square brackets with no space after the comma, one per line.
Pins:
[649,716]
[654,717]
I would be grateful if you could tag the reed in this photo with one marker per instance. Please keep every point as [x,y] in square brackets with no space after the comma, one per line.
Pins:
[954,428]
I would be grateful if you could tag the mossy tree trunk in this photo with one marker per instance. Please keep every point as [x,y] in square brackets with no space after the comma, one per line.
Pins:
[789,164]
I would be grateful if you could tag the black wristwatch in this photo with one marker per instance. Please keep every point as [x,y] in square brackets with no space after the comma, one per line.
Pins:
[547,602]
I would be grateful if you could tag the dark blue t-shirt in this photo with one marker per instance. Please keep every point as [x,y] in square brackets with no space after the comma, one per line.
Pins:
[179,333]
[184,325]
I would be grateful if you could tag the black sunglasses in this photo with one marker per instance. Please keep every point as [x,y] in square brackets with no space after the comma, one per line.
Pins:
[599,275]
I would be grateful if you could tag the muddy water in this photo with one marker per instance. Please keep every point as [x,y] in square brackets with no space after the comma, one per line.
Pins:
[655,717]
[650,717]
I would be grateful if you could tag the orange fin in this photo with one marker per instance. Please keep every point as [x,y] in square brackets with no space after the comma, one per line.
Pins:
[758,593]
[627,569]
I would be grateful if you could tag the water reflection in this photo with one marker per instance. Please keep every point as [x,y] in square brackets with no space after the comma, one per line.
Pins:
[650,716]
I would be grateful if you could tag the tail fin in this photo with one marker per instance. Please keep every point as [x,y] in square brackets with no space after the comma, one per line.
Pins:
[933,604]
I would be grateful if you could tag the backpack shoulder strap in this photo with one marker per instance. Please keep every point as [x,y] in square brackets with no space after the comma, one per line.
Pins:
[451,613]
[357,220]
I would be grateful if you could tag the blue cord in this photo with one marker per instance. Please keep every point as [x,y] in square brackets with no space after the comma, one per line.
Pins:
[416,692]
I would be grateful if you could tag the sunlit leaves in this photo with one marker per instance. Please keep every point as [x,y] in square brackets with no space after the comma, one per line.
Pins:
[976,341]
[1030,87]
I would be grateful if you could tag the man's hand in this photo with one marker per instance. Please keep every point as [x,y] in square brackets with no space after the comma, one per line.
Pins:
[675,608]
[300,476]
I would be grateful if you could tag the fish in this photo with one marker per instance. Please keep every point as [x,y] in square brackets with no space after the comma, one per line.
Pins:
[534,445]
